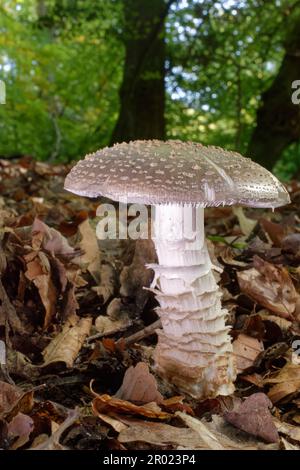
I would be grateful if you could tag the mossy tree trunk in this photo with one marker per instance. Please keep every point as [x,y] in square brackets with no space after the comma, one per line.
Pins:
[142,93]
[278,119]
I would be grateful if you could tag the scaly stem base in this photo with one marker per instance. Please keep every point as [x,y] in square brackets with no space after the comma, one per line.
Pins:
[194,349]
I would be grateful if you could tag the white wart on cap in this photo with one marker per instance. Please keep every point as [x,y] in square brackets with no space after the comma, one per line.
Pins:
[175,172]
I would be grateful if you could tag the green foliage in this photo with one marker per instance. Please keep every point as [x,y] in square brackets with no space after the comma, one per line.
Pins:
[234,50]
[62,62]
[62,78]
[289,164]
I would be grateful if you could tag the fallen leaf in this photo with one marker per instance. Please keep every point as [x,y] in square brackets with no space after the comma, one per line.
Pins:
[107,404]
[296,418]
[246,224]
[20,427]
[291,246]
[8,312]
[90,250]
[236,438]
[283,323]
[254,379]
[139,386]
[9,395]
[293,432]
[245,350]
[270,286]
[226,254]
[288,446]
[52,443]
[253,416]
[107,326]
[53,241]
[70,305]
[65,346]
[276,232]
[160,434]
[136,276]
[218,434]
[39,271]
[113,422]
[18,364]
[204,433]
[176,404]
[287,382]
[107,286]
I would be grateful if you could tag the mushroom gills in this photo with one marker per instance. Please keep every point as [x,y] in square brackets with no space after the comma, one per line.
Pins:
[194,349]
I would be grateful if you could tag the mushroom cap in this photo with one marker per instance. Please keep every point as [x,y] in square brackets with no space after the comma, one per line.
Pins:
[175,172]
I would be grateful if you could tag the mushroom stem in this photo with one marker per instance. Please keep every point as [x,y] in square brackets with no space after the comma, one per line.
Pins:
[194,349]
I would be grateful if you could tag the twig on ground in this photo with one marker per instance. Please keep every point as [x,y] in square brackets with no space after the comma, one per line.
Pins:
[144,333]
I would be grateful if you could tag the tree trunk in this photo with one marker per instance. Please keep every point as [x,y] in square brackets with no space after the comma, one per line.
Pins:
[278,119]
[142,93]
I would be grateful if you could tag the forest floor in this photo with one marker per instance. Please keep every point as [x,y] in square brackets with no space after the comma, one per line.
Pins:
[77,334]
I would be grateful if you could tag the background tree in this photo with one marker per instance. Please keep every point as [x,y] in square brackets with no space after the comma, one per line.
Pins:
[142,94]
[278,118]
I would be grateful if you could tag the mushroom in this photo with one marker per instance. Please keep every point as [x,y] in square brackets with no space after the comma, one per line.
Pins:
[194,350]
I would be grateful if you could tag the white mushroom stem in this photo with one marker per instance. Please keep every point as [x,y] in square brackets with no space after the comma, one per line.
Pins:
[194,348]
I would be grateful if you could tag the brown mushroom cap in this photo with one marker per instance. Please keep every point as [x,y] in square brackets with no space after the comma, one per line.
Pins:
[175,172]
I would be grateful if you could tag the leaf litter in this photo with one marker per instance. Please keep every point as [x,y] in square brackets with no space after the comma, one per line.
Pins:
[73,309]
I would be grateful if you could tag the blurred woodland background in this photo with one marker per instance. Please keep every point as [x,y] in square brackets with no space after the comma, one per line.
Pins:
[82,74]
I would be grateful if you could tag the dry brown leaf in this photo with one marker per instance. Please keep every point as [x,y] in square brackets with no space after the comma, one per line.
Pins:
[107,404]
[67,344]
[217,434]
[53,241]
[246,224]
[210,439]
[255,379]
[288,446]
[245,350]
[108,282]
[253,416]
[74,276]
[139,386]
[227,255]
[113,422]
[176,404]
[39,271]
[13,400]
[283,324]
[276,232]
[288,430]
[18,364]
[160,434]
[107,326]
[9,395]
[70,305]
[52,443]
[20,427]
[296,418]
[90,249]
[287,382]
[235,438]
[8,312]
[291,245]
[270,286]
[135,277]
